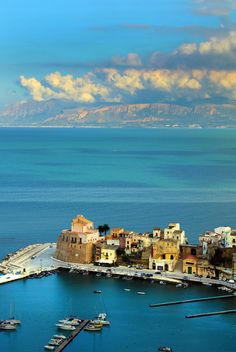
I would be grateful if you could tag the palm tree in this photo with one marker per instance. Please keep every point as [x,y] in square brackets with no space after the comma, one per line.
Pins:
[106,228]
[101,229]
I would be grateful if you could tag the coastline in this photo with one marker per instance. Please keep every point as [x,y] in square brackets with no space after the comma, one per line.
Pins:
[36,259]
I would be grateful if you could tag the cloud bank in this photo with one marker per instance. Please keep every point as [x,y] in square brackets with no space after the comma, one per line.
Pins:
[193,71]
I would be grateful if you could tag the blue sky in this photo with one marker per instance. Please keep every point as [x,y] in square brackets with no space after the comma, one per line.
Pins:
[96,48]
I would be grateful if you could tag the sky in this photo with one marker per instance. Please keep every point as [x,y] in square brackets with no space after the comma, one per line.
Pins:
[115,52]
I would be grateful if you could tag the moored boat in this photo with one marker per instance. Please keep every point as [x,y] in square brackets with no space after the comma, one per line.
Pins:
[9,327]
[48,347]
[65,327]
[165,349]
[92,327]
[141,293]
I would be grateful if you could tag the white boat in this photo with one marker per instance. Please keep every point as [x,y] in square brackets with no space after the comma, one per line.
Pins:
[141,293]
[48,347]
[4,326]
[162,283]
[62,337]
[12,321]
[127,289]
[206,284]
[102,316]
[178,285]
[70,321]
[65,327]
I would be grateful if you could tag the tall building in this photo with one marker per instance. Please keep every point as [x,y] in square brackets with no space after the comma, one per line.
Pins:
[76,245]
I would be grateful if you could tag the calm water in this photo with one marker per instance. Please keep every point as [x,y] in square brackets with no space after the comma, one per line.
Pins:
[138,179]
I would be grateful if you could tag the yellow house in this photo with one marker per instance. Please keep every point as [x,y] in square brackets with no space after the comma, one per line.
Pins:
[165,254]
[105,254]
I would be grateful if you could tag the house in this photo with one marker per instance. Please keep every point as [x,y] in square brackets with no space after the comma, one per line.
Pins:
[164,256]
[105,254]
[174,232]
[75,245]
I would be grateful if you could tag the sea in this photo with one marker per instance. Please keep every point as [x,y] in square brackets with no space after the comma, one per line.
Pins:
[132,178]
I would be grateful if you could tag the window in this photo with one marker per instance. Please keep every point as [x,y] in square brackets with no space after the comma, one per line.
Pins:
[163,256]
[171,257]
[193,251]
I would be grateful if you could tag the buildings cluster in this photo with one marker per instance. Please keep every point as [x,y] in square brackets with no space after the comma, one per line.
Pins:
[160,250]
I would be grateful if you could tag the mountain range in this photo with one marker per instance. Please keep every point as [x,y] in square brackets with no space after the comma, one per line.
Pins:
[55,113]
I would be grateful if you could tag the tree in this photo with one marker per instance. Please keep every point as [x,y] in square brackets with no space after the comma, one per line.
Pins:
[106,228]
[101,229]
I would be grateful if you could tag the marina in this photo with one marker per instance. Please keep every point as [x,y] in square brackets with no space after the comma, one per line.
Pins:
[70,338]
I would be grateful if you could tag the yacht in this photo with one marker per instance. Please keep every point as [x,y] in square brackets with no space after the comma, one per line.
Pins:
[65,327]
[48,347]
[92,327]
[60,337]
[4,326]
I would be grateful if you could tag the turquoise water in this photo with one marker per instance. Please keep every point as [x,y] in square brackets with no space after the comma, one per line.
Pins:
[138,179]
[134,326]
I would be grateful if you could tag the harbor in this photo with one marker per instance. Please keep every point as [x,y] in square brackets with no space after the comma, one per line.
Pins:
[35,259]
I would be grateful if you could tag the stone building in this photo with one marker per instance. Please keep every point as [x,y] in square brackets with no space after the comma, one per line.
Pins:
[76,245]
[165,254]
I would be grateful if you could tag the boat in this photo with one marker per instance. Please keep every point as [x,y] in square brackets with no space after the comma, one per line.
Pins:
[48,347]
[141,293]
[97,291]
[65,327]
[99,274]
[178,285]
[12,321]
[206,284]
[74,321]
[127,289]
[62,337]
[101,318]
[162,283]
[4,326]
[97,323]
[91,327]
[54,342]
[165,349]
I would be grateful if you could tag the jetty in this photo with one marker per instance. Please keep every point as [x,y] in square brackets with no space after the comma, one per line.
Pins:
[192,300]
[72,336]
[232,311]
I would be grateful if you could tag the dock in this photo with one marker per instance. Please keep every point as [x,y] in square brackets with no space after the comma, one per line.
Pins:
[232,311]
[72,336]
[192,300]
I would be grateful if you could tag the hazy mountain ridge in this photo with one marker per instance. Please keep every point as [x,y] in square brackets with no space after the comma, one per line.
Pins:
[64,113]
